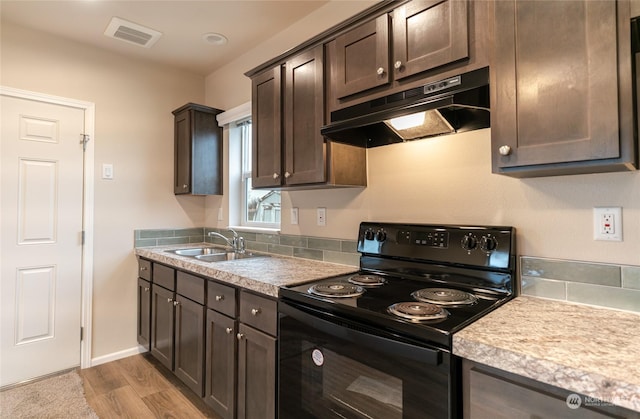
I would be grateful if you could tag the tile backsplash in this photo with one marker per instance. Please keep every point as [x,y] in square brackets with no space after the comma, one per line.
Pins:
[600,284]
[328,250]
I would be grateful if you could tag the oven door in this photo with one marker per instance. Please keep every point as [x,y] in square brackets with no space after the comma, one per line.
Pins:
[330,368]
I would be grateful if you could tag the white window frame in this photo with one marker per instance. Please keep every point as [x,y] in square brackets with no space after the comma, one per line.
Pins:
[240,170]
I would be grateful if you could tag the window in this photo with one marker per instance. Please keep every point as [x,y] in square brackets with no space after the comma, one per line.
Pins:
[259,208]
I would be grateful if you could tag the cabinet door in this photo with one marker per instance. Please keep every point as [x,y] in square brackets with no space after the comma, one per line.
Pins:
[362,58]
[189,344]
[267,129]
[220,377]
[144,313]
[182,162]
[256,374]
[162,324]
[554,83]
[428,34]
[303,118]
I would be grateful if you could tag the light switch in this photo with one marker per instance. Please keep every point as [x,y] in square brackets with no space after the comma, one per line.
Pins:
[107,171]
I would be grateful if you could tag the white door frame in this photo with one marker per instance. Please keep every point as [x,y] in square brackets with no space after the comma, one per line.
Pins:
[87,210]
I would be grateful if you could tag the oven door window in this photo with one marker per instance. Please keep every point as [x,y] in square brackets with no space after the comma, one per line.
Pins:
[333,376]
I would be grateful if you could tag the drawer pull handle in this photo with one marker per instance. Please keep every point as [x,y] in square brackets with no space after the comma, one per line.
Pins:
[219,297]
[143,268]
[228,330]
[240,336]
[255,311]
[146,289]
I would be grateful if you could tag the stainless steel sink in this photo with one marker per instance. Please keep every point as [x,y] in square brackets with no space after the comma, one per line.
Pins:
[221,257]
[197,251]
[213,254]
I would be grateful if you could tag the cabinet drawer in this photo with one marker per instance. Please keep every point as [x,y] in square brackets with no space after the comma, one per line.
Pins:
[164,276]
[144,269]
[259,312]
[222,298]
[190,286]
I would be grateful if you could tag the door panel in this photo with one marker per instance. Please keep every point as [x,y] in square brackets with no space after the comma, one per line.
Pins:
[42,192]
[267,129]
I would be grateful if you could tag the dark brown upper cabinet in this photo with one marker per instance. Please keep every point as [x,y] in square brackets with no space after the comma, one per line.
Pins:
[288,112]
[424,35]
[198,151]
[561,88]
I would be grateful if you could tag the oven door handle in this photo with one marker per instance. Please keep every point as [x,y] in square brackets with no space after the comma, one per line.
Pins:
[353,332]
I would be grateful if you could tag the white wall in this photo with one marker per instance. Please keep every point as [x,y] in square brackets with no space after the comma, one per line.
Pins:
[445,180]
[134,132]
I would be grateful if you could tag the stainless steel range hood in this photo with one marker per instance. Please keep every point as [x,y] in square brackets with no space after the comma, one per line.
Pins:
[455,104]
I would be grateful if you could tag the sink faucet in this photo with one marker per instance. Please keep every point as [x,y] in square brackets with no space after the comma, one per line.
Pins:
[236,242]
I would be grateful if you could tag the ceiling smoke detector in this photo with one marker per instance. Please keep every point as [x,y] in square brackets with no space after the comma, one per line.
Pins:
[132,33]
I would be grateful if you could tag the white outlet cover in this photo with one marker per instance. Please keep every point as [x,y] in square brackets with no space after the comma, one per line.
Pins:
[107,171]
[613,215]
[322,216]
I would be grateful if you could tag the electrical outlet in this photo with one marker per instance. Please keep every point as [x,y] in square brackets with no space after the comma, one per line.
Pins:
[294,216]
[322,216]
[607,223]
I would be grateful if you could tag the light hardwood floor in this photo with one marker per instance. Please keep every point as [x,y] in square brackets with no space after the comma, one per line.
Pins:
[138,387]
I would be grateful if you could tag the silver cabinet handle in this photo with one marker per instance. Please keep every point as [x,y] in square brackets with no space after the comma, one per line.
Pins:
[143,268]
[380,71]
[169,300]
[219,297]
[146,289]
[175,303]
[185,186]
[504,150]
[276,176]
[228,330]
[397,65]
[240,336]
[287,174]
[255,311]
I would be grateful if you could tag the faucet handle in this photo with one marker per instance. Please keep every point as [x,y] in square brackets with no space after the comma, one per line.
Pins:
[241,244]
[235,235]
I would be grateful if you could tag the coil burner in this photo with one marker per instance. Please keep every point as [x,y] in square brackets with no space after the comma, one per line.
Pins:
[445,297]
[367,280]
[336,290]
[418,311]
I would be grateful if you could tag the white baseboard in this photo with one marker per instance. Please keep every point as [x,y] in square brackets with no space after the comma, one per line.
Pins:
[117,355]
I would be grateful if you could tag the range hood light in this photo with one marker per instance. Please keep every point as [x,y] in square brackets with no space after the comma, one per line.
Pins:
[407,121]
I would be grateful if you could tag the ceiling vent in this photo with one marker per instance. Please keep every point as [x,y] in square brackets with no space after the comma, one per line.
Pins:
[132,33]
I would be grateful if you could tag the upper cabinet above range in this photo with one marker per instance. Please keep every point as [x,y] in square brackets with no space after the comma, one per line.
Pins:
[561,88]
[418,36]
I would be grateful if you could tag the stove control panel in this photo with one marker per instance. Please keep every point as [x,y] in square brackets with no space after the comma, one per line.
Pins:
[480,246]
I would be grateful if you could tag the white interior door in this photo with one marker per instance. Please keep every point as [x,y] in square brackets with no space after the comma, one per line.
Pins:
[41,241]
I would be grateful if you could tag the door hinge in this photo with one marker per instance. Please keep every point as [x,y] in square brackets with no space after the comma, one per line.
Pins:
[84,139]
[81,333]
[82,235]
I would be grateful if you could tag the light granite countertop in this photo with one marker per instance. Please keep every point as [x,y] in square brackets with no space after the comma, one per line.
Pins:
[261,274]
[589,350]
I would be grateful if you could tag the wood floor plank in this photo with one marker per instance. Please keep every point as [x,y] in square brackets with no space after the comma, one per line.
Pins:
[144,378]
[122,402]
[104,378]
[171,403]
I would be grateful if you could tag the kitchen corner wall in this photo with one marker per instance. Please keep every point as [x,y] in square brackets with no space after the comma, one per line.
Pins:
[133,131]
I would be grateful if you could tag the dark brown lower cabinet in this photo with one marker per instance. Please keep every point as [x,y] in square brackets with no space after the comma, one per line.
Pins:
[189,344]
[492,393]
[220,376]
[177,336]
[144,313]
[162,325]
[256,374]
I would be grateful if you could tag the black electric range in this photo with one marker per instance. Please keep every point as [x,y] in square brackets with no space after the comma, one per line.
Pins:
[421,282]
